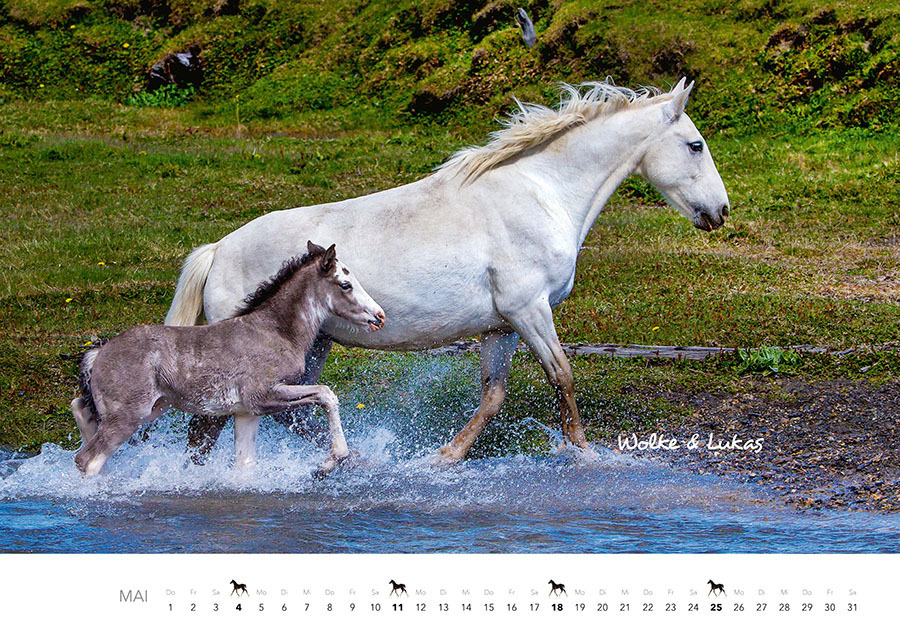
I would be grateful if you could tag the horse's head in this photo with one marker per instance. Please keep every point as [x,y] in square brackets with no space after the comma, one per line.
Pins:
[342,292]
[679,165]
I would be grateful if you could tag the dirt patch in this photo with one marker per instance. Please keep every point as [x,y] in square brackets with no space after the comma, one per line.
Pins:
[825,444]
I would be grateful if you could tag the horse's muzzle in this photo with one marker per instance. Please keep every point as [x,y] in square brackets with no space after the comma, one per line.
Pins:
[704,221]
[378,322]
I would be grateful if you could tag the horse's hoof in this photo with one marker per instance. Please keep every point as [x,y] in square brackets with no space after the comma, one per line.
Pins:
[332,463]
[353,460]
[581,455]
[587,455]
[442,458]
[198,460]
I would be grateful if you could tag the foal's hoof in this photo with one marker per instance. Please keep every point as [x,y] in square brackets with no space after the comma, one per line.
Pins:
[332,463]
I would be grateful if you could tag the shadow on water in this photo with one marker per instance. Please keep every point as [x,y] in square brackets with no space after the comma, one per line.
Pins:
[151,499]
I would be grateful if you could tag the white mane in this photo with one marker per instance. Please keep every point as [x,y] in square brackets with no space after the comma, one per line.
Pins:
[534,124]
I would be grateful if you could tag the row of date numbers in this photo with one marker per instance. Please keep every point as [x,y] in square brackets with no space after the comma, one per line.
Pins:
[552,607]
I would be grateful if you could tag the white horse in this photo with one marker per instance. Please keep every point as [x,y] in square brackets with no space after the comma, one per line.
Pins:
[485,245]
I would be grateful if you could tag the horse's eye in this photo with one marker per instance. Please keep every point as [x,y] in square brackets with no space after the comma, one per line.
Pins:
[696,146]
[346,286]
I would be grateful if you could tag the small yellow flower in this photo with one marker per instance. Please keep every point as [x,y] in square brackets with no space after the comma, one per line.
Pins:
[101,263]
[68,299]
[255,155]
[41,86]
[72,26]
[142,152]
[360,405]
[126,44]
[654,328]
[86,343]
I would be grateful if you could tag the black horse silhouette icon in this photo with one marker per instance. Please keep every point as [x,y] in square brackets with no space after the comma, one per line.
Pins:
[238,588]
[557,589]
[400,589]
[716,588]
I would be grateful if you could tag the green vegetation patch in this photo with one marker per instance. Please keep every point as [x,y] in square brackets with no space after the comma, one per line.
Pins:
[107,185]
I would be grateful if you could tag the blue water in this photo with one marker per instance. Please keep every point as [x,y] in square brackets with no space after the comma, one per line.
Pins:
[150,499]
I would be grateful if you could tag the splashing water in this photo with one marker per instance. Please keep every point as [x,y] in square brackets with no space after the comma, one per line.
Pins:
[150,498]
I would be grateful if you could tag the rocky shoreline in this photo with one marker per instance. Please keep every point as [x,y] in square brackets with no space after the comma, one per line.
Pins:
[832,444]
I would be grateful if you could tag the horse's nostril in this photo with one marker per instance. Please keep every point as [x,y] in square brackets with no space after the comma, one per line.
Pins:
[725,210]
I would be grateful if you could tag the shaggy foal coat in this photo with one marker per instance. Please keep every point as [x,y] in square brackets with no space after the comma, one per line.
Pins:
[242,366]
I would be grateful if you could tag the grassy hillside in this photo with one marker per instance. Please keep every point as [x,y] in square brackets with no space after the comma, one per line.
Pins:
[759,63]
[106,186]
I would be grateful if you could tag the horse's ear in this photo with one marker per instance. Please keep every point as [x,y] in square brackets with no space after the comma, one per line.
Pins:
[680,94]
[313,249]
[327,262]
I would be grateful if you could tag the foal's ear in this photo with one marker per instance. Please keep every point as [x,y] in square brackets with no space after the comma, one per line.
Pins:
[327,262]
[313,249]
[680,94]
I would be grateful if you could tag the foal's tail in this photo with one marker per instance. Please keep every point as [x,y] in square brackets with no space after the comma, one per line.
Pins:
[188,301]
[84,380]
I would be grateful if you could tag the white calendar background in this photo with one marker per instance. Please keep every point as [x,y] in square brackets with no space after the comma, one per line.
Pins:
[451,588]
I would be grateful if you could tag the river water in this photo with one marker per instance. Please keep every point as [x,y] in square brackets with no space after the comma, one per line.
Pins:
[150,499]
[516,495]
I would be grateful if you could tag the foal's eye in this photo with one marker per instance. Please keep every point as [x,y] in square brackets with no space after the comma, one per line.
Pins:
[696,146]
[346,286]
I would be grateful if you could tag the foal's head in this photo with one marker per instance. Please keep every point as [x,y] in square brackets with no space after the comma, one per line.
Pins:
[340,291]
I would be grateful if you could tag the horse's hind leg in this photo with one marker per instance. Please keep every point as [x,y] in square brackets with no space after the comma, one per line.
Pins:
[85,419]
[497,349]
[203,432]
[112,432]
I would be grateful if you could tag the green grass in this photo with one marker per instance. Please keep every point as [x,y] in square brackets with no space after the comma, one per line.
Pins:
[771,64]
[165,97]
[103,216]
[311,102]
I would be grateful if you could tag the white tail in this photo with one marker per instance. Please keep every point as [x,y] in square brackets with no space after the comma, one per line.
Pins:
[188,301]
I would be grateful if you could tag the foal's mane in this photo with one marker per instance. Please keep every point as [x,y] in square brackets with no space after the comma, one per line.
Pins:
[268,288]
[534,124]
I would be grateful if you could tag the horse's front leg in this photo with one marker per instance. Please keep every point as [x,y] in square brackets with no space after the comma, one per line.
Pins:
[300,420]
[497,349]
[284,397]
[246,426]
[534,323]
[204,431]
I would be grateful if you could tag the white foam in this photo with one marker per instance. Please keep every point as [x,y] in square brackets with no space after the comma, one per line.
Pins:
[378,476]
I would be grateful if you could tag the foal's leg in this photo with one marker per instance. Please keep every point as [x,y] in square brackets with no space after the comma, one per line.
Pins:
[300,420]
[535,325]
[246,426]
[497,349]
[287,396]
[203,431]
[84,418]
[114,430]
